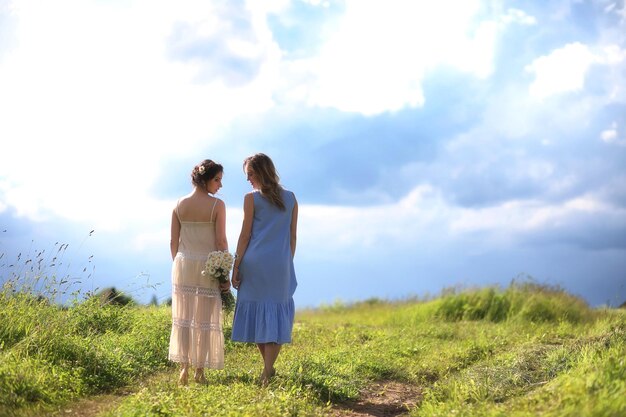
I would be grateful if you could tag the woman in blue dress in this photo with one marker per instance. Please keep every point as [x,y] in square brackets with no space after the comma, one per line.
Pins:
[263,273]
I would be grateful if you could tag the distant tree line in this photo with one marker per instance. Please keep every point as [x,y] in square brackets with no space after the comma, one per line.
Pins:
[111,295]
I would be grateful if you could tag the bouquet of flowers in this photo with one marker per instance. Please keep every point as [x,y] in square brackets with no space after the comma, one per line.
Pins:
[218,266]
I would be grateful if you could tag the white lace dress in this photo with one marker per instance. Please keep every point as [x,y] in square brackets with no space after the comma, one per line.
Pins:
[197,337]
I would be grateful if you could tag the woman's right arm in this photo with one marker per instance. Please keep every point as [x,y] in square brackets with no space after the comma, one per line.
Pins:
[244,236]
[174,234]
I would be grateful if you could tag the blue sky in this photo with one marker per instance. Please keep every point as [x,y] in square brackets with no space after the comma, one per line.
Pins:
[462,143]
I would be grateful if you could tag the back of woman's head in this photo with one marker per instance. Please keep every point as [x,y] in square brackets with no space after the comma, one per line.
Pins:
[268,178]
[204,172]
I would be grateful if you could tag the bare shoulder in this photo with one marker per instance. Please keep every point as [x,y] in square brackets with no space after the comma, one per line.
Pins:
[219,203]
[184,200]
[248,201]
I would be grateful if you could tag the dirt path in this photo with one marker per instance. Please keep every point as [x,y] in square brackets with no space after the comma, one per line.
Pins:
[382,399]
[91,406]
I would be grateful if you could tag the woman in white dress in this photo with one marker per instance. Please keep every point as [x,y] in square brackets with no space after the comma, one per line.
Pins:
[198,227]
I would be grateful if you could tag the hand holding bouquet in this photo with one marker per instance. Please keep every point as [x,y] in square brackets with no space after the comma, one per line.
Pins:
[218,266]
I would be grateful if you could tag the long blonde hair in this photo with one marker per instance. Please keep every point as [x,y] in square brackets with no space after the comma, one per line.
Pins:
[264,169]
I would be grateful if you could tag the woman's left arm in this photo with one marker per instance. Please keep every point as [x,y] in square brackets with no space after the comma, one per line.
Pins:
[221,242]
[294,228]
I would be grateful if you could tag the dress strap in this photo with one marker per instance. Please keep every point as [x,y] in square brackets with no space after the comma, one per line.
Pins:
[214,204]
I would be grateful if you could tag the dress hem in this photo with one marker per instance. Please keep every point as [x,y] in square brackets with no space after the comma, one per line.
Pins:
[208,364]
[263,322]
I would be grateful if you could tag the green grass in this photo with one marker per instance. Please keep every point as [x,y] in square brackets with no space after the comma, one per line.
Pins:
[50,355]
[525,350]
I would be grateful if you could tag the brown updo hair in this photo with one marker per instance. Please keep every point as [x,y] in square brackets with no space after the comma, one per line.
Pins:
[204,172]
[267,176]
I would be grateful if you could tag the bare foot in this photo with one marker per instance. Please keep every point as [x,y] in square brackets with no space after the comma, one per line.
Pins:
[184,377]
[199,376]
[267,376]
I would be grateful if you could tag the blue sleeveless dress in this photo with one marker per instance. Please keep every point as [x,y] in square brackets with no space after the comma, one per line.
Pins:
[265,310]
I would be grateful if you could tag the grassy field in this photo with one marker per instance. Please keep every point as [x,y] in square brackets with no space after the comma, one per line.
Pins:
[525,350]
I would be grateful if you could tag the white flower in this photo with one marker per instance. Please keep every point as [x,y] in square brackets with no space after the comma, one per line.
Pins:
[218,265]
[201,169]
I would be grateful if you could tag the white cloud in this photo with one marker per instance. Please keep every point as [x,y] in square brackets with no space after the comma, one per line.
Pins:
[322,3]
[423,218]
[613,57]
[379,55]
[93,110]
[261,8]
[561,71]
[611,136]
[88,112]
[518,16]
[403,222]
[519,216]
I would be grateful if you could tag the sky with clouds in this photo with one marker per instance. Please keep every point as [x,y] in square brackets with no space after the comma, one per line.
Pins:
[430,144]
